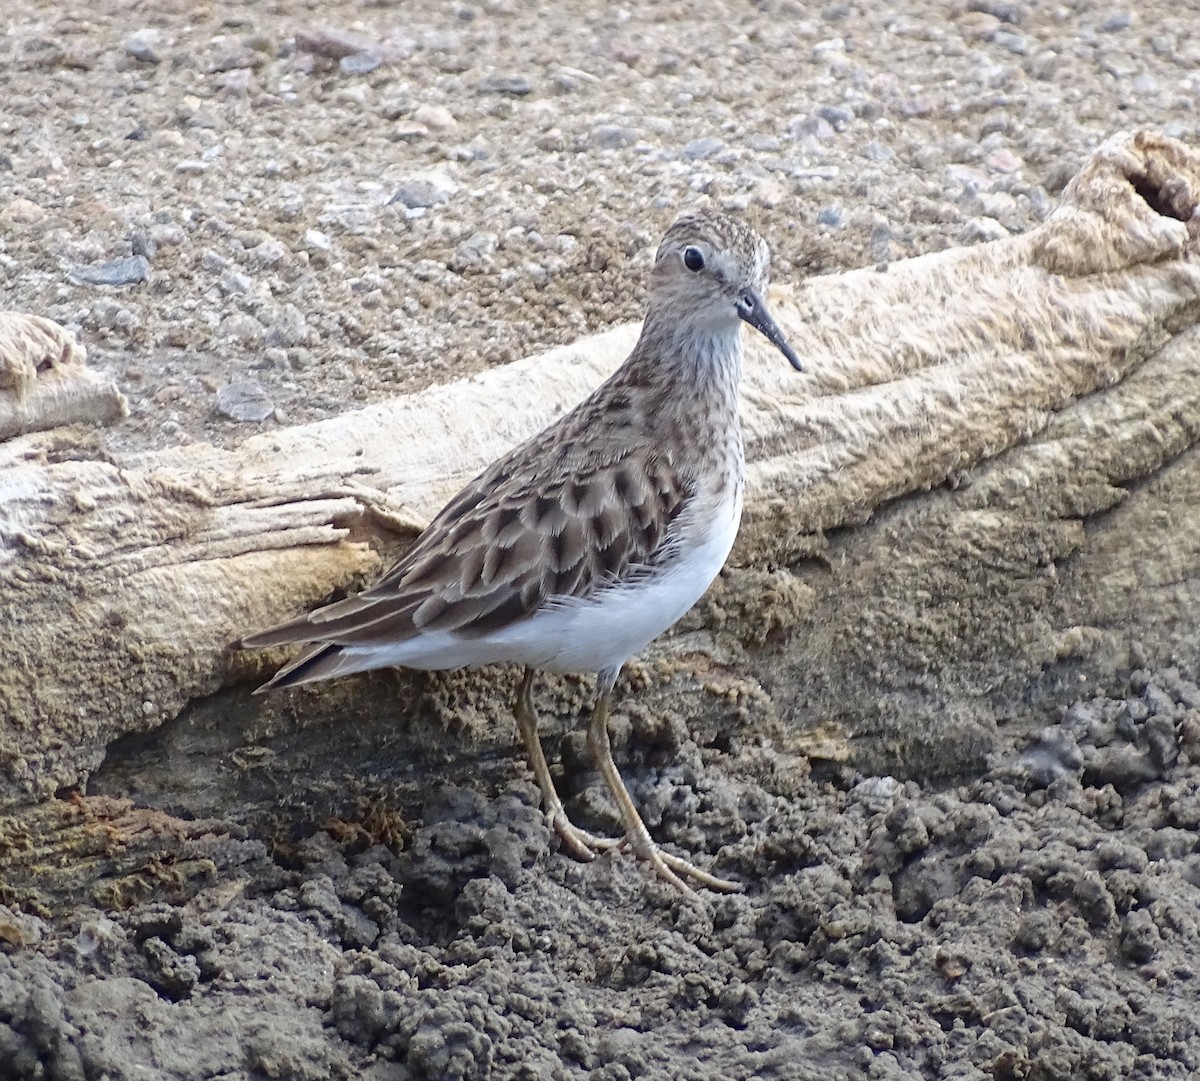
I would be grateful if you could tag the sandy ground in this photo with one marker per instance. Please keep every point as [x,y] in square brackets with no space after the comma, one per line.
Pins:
[256,215]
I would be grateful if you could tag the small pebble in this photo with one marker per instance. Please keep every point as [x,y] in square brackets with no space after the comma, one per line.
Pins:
[128,271]
[1120,64]
[1003,161]
[967,177]
[235,282]
[1010,40]
[763,142]
[1052,754]
[268,253]
[395,105]
[435,117]
[406,130]
[23,212]
[331,44]
[427,189]
[213,261]
[316,240]
[1140,937]
[289,328]
[879,244]
[514,85]
[359,63]
[475,251]
[981,230]
[144,244]
[240,327]
[978,25]
[234,59]
[996,204]
[145,45]
[244,400]
[699,149]
[612,136]
[838,116]
[817,126]
[823,50]
[238,83]
[1007,11]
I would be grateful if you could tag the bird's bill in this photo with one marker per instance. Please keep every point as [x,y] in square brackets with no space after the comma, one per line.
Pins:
[755,313]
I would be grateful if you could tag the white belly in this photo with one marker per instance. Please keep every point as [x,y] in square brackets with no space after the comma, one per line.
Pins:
[591,635]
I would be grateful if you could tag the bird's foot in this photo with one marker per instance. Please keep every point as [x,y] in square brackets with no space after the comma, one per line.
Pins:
[586,846]
[676,870]
[580,843]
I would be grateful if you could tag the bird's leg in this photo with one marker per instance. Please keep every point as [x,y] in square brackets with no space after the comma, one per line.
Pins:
[667,867]
[583,845]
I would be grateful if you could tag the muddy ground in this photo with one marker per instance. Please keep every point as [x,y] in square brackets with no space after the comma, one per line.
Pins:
[257,215]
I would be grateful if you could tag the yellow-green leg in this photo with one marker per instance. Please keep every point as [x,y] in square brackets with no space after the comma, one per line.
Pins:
[582,844]
[668,867]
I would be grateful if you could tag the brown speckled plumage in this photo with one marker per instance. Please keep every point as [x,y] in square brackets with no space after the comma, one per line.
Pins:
[614,498]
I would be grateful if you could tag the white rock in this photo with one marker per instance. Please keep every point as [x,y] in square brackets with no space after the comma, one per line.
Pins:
[435,117]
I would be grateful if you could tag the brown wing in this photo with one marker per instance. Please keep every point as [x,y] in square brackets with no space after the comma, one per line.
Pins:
[499,549]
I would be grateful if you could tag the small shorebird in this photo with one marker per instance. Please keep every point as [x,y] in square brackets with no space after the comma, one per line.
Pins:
[580,546]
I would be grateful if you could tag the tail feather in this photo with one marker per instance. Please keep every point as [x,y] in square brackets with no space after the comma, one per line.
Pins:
[322,660]
[290,633]
[362,617]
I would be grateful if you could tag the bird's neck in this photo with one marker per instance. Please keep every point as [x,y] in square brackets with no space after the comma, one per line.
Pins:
[680,390]
[690,365]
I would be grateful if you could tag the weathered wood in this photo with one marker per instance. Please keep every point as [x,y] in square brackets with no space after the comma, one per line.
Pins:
[109,853]
[44,380]
[1040,376]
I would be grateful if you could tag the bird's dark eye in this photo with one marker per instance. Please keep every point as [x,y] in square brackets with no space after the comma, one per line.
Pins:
[693,259]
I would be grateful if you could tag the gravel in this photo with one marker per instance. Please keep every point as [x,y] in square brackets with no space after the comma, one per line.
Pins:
[559,120]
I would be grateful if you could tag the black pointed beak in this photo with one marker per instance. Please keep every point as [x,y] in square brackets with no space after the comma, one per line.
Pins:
[751,309]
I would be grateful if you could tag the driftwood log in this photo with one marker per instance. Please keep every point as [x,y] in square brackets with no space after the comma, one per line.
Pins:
[983,500]
[45,382]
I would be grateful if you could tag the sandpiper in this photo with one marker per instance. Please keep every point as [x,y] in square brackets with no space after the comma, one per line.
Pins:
[577,548]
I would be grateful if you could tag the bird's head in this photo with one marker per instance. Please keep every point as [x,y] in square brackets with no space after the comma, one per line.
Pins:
[710,272]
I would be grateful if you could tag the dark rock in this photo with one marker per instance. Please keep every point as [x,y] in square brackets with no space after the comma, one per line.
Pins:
[1005,10]
[244,401]
[425,190]
[838,116]
[514,85]
[699,149]
[127,271]
[332,44]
